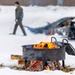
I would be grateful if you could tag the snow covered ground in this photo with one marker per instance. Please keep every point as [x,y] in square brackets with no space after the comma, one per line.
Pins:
[33,17]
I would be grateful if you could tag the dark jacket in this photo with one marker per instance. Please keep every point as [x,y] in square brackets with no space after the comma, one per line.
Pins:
[19,13]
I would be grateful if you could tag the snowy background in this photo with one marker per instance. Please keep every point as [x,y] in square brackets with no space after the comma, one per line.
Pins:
[34,17]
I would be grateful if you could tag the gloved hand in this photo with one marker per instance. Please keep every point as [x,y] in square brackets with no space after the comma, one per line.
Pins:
[16,20]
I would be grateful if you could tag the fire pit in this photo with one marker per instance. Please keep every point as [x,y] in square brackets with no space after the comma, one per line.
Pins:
[43,54]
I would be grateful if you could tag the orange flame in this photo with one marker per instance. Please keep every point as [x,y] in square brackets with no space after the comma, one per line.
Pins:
[43,45]
[47,68]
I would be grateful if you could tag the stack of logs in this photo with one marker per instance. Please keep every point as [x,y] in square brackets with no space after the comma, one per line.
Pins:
[19,58]
[37,65]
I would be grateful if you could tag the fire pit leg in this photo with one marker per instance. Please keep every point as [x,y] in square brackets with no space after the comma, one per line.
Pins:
[44,64]
[27,63]
[63,63]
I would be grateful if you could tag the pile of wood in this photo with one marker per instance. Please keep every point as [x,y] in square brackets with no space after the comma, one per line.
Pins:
[37,65]
[19,58]
[34,66]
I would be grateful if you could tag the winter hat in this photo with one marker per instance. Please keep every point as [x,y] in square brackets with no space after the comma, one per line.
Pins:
[17,3]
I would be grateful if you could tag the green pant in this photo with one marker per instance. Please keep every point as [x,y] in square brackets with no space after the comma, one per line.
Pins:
[19,23]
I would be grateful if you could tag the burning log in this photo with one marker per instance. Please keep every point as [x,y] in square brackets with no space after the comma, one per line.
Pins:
[35,66]
[38,66]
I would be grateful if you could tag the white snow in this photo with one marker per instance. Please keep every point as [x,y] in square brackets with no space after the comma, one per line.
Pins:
[73,20]
[34,17]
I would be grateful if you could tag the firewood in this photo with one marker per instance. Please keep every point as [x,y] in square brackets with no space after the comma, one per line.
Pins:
[21,62]
[35,65]
[16,57]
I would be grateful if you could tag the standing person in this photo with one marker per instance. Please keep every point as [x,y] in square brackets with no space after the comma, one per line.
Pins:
[18,18]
